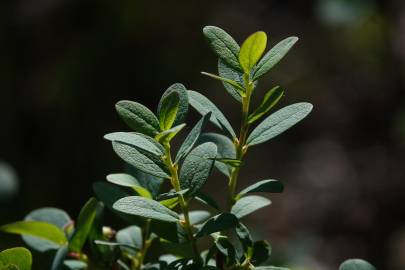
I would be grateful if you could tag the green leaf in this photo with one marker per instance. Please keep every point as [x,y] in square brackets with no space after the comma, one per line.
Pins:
[227,81]
[226,150]
[251,50]
[127,180]
[171,194]
[168,135]
[261,252]
[207,200]
[50,215]
[227,249]
[168,110]
[197,216]
[271,268]
[223,45]
[177,249]
[197,167]
[145,208]
[244,237]
[84,224]
[150,182]
[138,117]
[248,205]
[192,138]
[140,160]
[272,57]
[225,71]
[234,163]
[130,236]
[279,122]
[269,185]
[170,203]
[203,105]
[217,223]
[182,107]
[57,262]
[270,99]
[135,140]
[108,194]
[115,244]
[38,229]
[75,264]
[356,264]
[19,257]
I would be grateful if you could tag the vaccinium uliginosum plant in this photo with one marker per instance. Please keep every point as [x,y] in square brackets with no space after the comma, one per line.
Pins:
[163,216]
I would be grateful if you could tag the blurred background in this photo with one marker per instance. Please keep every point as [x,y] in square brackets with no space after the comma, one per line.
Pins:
[64,64]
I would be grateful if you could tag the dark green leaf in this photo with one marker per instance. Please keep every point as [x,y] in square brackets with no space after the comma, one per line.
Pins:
[223,45]
[226,248]
[197,167]
[261,252]
[171,194]
[145,208]
[108,194]
[178,249]
[269,185]
[207,200]
[227,81]
[182,110]
[138,117]
[19,257]
[203,105]
[169,105]
[272,57]
[234,163]
[251,50]
[227,72]
[136,140]
[192,138]
[167,135]
[279,122]
[217,223]
[356,264]
[248,205]
[244,237]
[270,99]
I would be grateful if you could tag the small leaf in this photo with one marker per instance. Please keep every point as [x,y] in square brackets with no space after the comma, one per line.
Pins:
[251,50]
[261,252]
[223,45]
[278,122]
[136,140]
[248,205]
[171,194]
[227,72]
[217,223]
[150,182]
[182,107]
[130,236]
[18,257]
[207,200]
[197,167]
[203,105]
[356,264]
[139,160]
[244,237]
[38,229]
[197,216]
[170,203]
[127,180]
[168,135]
[269,185]
[75,264]
[237,86]
[145,208]
[60,255]
[168,110]
[84,224]
[138,117]
[115,244]
[270,99]
[271,268]
[272,57]
[234,163]
[192,138]
[227,249]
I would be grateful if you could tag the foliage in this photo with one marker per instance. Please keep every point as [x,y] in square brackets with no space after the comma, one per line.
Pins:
[163,217]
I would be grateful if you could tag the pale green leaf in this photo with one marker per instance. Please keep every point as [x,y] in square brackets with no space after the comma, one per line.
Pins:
[75,264]
[168,110]
[168,135]
[127,180]
[182,107]
[18,257]
[197,216]
[356,264]
[251,50]
[136,140]
[227,72]
[236,85]
[248,205]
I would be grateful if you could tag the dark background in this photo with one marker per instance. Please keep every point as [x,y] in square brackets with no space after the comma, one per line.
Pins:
[64,64]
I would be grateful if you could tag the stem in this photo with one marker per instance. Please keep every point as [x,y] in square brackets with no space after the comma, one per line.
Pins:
[173,168]
[146,242]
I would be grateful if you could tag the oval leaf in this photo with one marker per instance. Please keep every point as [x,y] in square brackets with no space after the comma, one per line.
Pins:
[197,167]
[135,140]
[127,180]
[279,122]
[217,223]
[251,50]
[269,185]
[130,236]
[248,205]
[182,107]
[272,57]
[356,264]
[169,105]
[167,135]
[270,99]
[145,208]
[231,74]
[18,257]
[138,117]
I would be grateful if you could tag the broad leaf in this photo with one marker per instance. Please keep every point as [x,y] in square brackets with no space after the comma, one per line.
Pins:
[251,50]
[248,205]
[203,105]
[140,160]
[197,216]
[150,182]
[227,72]
[182,107]
[217,223]
[270,99]
[356,264]
[272,57]
[223,45]
[226,150]
[197,167]
[127,180]
[84,224]
[279,122]
[145,208]
[18,257]
[192,137]
[136,140]
[38,229]
[261,252]
[138,117]
[108,193]
[130,236]
[167,135]
[50,215]
[269,185]
[169,105]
